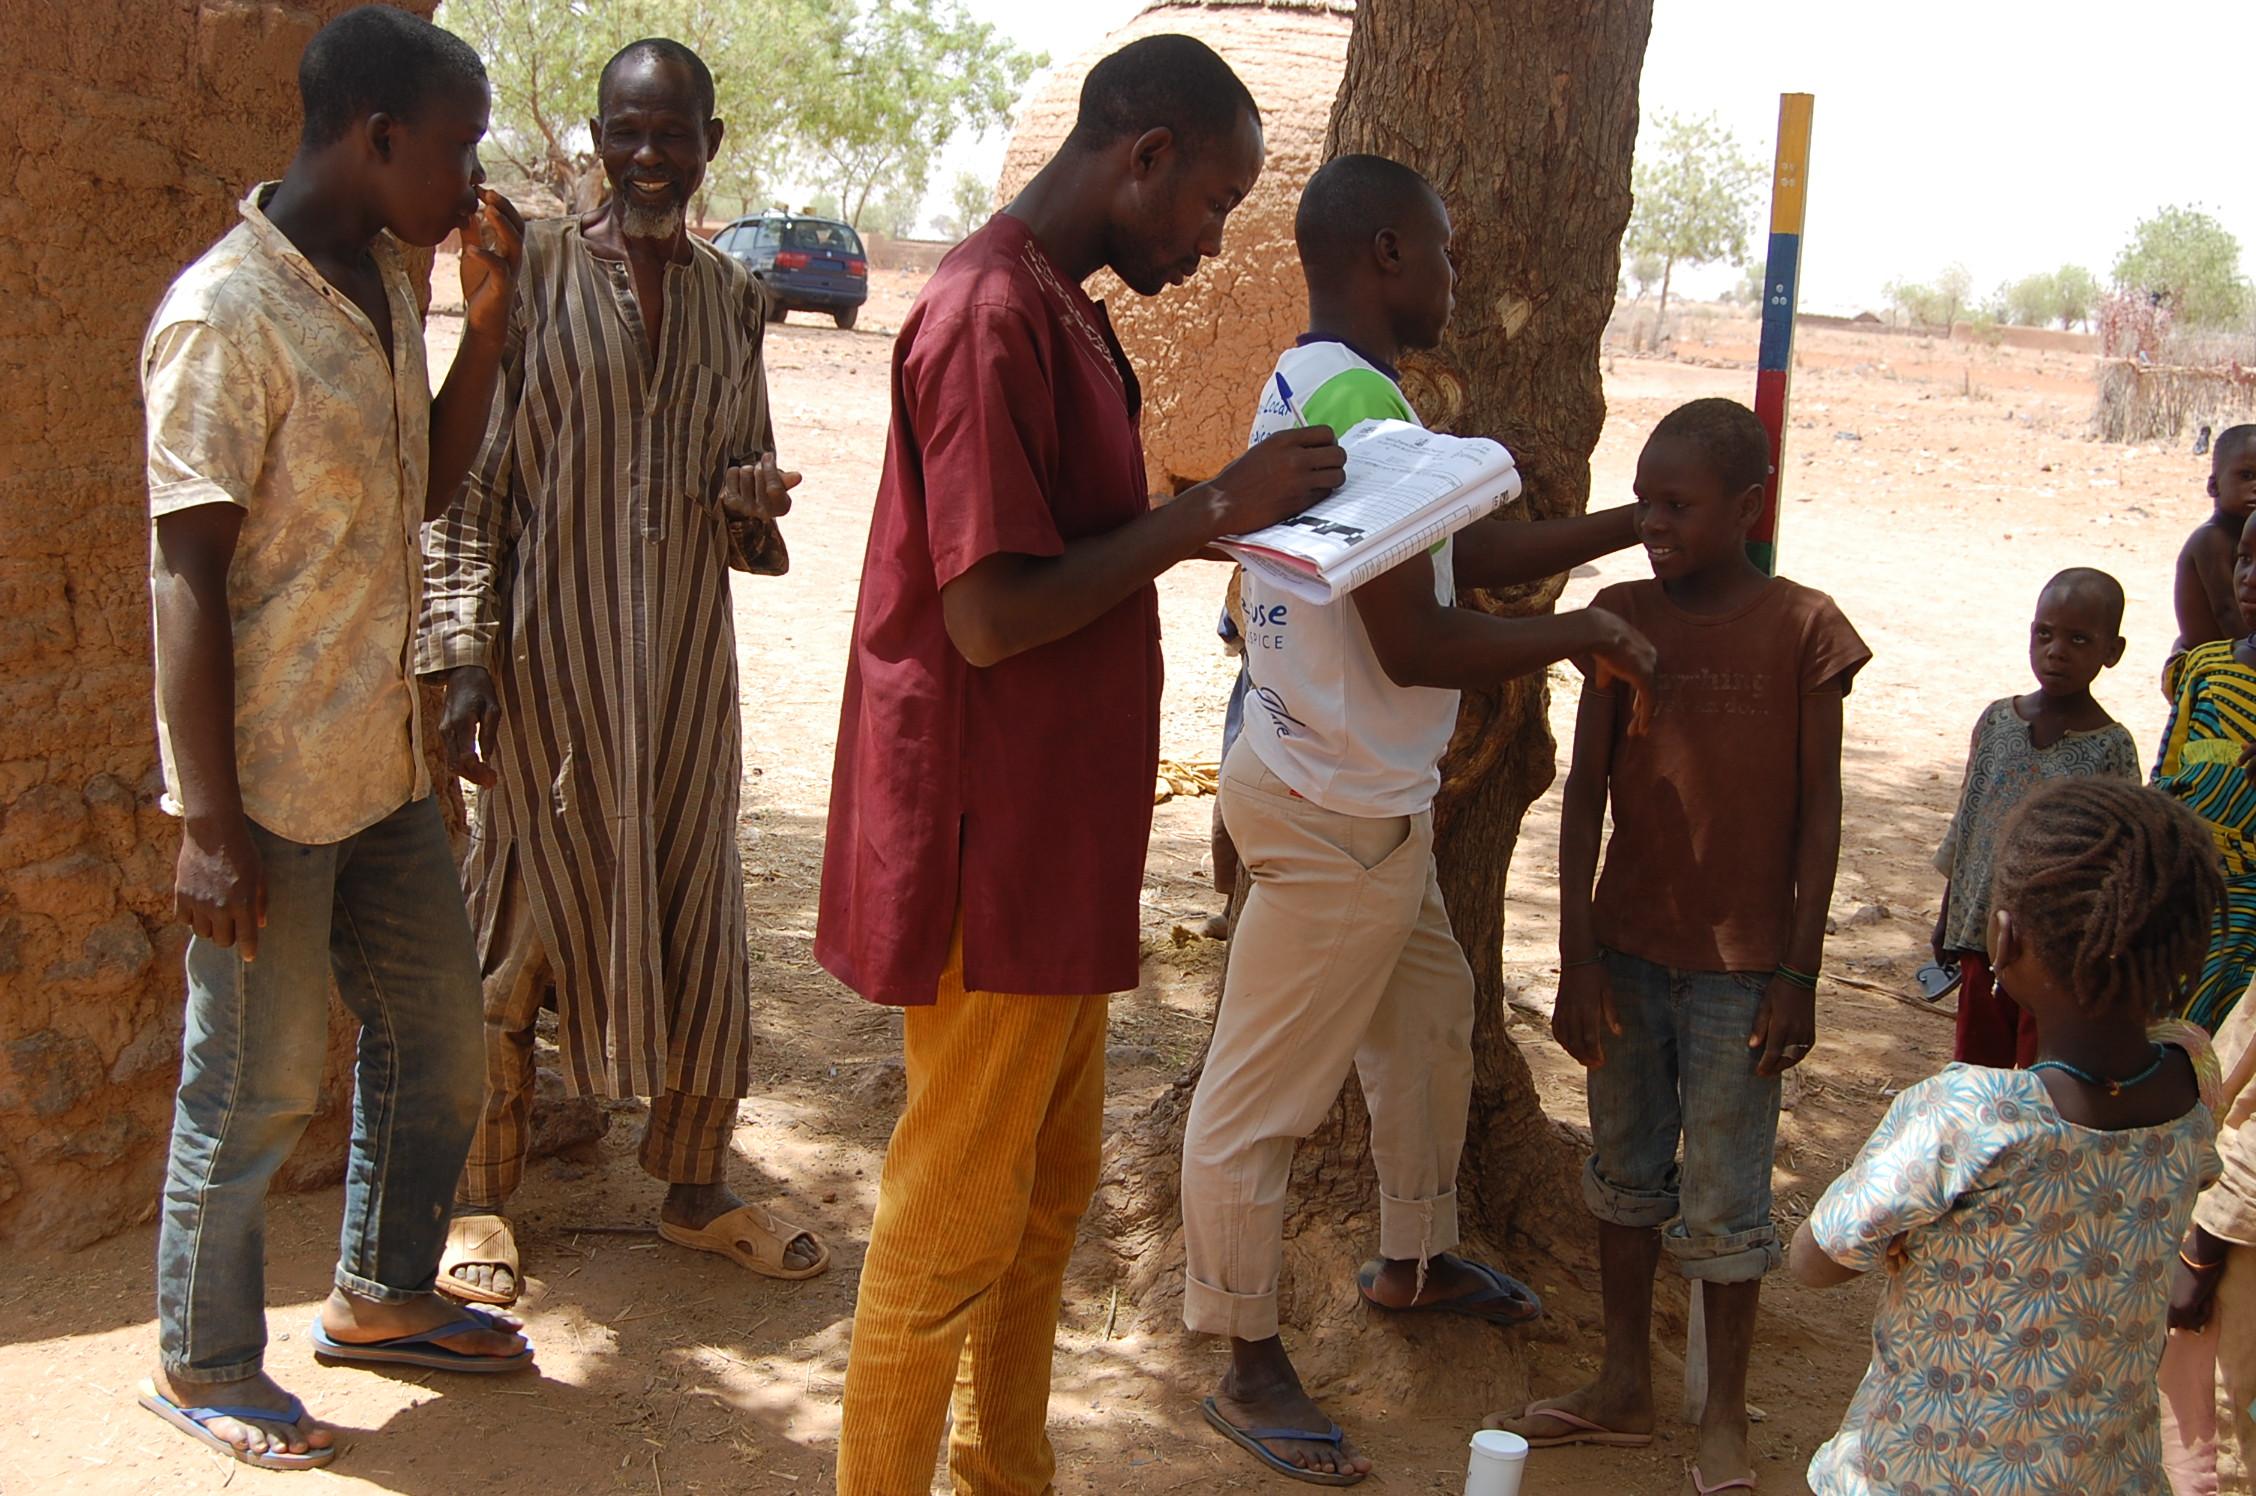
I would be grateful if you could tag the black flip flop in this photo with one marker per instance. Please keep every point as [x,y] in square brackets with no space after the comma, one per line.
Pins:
[1249,1439]
[1504,1300]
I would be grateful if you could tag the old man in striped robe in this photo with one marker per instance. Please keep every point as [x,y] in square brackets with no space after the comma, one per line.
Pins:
[577,605]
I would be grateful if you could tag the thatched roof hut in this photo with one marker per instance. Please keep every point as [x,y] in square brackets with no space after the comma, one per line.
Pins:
[1202,349]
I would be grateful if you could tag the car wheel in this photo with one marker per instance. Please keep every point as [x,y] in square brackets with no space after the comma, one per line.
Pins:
[845,316]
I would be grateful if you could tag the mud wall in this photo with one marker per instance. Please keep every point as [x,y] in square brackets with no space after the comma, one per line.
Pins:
[1203,348]
[129,130]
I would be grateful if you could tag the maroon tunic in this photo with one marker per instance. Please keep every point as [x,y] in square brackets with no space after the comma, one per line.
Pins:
[1020,793]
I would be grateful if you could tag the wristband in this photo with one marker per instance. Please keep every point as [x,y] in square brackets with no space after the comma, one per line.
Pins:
[1807,980]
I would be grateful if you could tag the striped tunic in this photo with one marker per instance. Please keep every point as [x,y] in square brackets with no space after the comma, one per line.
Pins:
[2212,719]
[586,567]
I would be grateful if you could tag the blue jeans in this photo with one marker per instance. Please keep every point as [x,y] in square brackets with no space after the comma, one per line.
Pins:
[1680,1069]
[383,910]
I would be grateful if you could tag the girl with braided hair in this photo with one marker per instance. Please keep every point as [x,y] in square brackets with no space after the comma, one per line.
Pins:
[2028,1220]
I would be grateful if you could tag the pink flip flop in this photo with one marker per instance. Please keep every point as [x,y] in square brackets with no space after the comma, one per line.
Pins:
[1580,1431]
[1701,1487]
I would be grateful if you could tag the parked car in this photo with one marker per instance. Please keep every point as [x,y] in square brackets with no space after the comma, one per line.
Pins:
[807,264]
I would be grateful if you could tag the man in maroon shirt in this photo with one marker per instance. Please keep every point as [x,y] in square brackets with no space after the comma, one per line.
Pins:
[991,804]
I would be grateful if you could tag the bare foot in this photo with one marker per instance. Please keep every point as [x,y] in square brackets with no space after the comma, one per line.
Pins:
[1615,1406]
[489,1277]
[352,1320]
[1448,1276]
[1725,1453]
[1271,1397]
[697,1206]
[260,1436]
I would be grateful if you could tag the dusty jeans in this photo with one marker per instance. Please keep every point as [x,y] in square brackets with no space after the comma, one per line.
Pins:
[382,909]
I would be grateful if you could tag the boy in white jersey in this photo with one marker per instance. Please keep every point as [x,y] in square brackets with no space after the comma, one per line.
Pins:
[1344,954]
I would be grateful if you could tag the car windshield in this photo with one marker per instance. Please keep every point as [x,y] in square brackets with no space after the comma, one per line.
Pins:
[822,239]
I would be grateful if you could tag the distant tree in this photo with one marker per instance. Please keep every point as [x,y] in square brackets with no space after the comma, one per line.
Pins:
[903,77]
[1753,286]
[1643,272]
[1932,305]
[543,58]
[2187,258]
[1695,192]
[2077,293]
[973,199]
[2032,301]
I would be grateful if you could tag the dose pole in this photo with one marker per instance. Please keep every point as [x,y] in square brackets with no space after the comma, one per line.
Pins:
[1774,368]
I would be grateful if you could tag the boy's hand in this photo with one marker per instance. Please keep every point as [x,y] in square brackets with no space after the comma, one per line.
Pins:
[2193,1291]
[219,884]
[1281,476]
[2248,760]
[1584,1014]
[1625,655]
[468,720]
[1785,1026]
[760,491]
[493,246]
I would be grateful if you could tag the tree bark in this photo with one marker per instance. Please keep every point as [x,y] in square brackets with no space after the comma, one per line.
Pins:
[1660,314]
[1524,115]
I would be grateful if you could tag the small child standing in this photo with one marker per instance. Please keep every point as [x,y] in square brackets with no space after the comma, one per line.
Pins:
[2056,732]
[2205,744]
[1688,983]
[2029,1219]
[2207,608]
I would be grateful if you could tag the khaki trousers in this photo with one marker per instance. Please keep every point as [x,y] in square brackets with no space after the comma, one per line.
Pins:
[1342,956]
[2208,1382]
[989,1170]
[685,1141]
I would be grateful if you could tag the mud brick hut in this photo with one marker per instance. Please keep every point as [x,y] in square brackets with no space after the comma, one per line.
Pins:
[1203,348]
[129,128]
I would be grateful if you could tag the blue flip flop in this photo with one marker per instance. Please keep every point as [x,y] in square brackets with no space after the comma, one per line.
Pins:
[1502,1300]
[1249,1439]
[422,1349]
[191,1421]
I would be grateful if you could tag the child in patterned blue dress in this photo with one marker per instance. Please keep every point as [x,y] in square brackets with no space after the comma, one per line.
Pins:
[2029,1219]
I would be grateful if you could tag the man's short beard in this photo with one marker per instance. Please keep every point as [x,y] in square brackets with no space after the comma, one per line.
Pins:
[641,220]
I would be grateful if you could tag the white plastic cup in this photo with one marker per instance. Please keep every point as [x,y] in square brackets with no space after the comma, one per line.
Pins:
[1498,1459]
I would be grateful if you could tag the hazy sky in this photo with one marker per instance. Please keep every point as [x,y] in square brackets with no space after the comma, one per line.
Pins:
[2011,135]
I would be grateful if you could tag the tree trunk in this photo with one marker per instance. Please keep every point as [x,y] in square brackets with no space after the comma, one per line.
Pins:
[1660,313]
[1524,116]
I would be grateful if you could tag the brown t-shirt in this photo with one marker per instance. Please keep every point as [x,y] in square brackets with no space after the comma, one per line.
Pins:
[1699,875]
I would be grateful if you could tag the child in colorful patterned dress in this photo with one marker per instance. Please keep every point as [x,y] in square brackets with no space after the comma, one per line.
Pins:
[2055,732]
[2028,1220]
[2207,745]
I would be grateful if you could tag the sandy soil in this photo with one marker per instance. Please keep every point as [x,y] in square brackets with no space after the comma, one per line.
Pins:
[1930,488]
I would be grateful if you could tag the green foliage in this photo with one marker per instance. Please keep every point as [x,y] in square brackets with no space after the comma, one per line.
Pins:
[1644,272]
[2076,292]
[2192,261]
[1695,192]
[1938,304]
[972,202]
[866,96]
[544,57]
[906,75]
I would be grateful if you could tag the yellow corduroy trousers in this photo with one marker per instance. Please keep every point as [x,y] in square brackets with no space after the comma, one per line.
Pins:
[990,1167]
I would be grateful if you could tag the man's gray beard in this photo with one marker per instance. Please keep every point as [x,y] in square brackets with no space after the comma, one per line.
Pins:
[643,221]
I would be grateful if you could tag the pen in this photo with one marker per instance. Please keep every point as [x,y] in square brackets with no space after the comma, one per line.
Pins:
[1292,406]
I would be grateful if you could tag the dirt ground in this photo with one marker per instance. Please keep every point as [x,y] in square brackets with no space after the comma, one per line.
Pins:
[1931,488]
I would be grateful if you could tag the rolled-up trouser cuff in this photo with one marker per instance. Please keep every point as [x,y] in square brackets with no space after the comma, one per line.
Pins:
[370,1289]
[181,1371]
[1739,1258]
[1621,1207]
[1415,1230]
[1214,1311]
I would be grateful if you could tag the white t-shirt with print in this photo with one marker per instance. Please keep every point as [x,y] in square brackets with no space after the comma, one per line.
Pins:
[1322,713]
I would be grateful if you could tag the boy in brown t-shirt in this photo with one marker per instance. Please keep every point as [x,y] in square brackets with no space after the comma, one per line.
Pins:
[1687,986]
